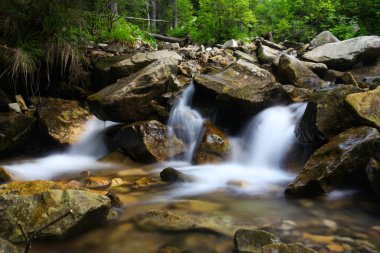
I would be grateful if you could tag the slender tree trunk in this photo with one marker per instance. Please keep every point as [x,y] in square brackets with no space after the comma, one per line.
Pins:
[148,14]
[175,14]
[153,13]
[113,7]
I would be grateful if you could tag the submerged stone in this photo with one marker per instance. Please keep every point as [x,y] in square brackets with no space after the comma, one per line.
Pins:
[286,248]
[253,240]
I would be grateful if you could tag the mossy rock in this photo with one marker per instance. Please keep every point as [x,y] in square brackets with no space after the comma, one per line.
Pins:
[366,106]
[214,146]
[36,203]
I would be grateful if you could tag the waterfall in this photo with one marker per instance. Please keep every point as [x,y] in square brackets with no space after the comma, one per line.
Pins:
[82,155]
[255,166]
[185,122]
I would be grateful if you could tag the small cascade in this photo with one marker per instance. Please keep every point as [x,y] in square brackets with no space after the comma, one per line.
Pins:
[270,135]
[256,159]
[185,122]
[82,155]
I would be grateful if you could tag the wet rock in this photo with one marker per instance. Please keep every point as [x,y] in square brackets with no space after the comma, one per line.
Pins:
[339,162]
[37,203]
[366,106]
[240,90]
[268,55]
[372,81]
[15,130]
[146,142]
[286,248]
[6,176]
[318,68]
[347,78]
[62,120]
[97,182]
[252,58]
[213,147]
[298,74]
[323,38]
[172,175]
[194,205]
[297,94]
[253,240]
[230,44]
[326,115]
[145,183]
[373,174]
[7,247]
[128,100]
[176,221]
[343,55]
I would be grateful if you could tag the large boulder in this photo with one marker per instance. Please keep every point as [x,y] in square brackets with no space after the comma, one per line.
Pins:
[239,91]
[268,55]
[341,161]
[108,70]
[323,38]
[129,99]
[366,106]
[36,203]
[146,142]
[15,129]
[343,55]
[63,120]
[213,147]
[298,74]
[326,115]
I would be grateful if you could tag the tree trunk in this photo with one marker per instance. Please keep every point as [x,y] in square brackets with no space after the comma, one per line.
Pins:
[153,14]
[175,14]
[113,7]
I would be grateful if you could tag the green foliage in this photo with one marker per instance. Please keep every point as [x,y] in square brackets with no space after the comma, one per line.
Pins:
[222,20]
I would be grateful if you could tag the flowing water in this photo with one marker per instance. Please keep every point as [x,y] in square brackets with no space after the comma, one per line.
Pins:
[247,190]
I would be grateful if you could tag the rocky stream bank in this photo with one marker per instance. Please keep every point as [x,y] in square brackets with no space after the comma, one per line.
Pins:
[337,148]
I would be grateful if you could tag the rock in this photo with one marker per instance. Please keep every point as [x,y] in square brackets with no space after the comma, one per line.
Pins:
[169,249]
[293,44]
[230,44]
[128,100]
[318,68]
[6,176]
[347,78]
[108,70]
[343,55]
[146,142]
[326,115]
[252,58]
[213,146]
[194,205]
[14,107]
[36,203]
[253,240]
[97,182]
[340,161]
[361,73]
[372,81]
[298,74]
[366,106]
[172,175]
[297,94]
[268,55]
[15,130]
[170,46]
[286,248]
[64,121]
[373,174]
[271,44]
[323,38]
[21,102]
[7,247]
[239,91]
[181,221]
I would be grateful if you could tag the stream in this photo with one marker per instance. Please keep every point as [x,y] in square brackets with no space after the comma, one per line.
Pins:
[247,190]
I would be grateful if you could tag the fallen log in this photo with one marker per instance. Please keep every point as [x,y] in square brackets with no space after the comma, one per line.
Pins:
[182,41]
